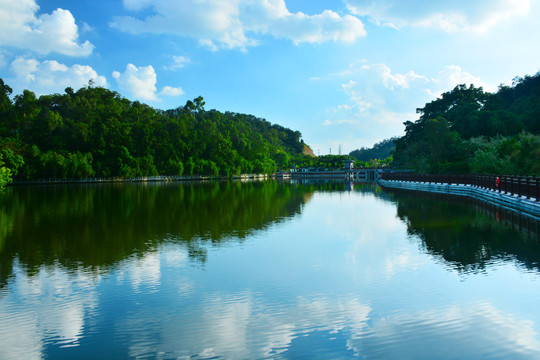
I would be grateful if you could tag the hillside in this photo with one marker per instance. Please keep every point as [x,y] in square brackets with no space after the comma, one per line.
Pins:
[96,132]
[468,130]
[308,152]
[380,150]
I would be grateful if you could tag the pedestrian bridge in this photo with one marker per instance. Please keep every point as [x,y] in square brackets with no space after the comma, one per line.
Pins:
[359,175]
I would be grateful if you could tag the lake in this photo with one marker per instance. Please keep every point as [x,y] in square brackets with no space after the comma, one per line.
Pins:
[263,270]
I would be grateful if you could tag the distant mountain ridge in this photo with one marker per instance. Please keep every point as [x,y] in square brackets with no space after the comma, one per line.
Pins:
[380,150]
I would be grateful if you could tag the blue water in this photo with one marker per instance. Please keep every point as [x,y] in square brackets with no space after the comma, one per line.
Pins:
[340,274]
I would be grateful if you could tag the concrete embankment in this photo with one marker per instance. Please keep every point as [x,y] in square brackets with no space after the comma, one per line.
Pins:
[514,202]
[160,178]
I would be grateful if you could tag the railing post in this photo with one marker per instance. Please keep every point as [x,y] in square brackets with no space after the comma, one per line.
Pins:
[534,190]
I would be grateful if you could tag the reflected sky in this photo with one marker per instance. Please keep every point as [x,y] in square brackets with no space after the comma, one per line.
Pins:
[345,278]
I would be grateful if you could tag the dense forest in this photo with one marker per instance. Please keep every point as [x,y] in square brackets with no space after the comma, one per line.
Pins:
[380,150]
[96,132]
[468,130]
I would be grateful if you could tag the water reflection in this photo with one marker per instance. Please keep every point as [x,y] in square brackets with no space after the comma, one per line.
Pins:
[161,320]
[469,235]
[99,225]
[296,271]
[96,226]
[48,306]
[490,334]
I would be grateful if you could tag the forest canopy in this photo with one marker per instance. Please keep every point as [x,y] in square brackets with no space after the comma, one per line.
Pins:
[468,130]
[380,150]
[96,132]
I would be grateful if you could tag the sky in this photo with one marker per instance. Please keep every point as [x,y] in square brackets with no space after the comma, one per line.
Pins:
[345,73]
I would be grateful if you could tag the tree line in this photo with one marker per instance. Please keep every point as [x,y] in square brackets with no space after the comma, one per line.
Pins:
[468,130]
[381,150]
[96,132]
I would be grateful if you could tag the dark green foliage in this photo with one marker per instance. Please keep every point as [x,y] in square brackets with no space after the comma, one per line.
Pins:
[381,150]
[518,155]
[469,130]
[111,223]
[466,236]
[325,162]
[5,174]
[96,132]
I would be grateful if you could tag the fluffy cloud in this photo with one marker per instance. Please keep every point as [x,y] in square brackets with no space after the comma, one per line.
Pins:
[378,100]
[21,27]
[449,16]
[172,91]
[368,80]
[51,76]
[140,82]
[226,24]
[451,76]
[390,80]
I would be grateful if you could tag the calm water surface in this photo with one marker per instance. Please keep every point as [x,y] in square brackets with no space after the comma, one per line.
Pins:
[262,271]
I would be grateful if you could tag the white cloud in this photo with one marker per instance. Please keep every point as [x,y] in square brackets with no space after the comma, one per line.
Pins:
[351,91]
[449,16]
[140,82]
[340,122]
[86,27]
[327,26]
[172,91]
[390,80]
[179,62]
[450,77]
[369,86]
[51,76]
[219,24]
[378,100]
[21,27]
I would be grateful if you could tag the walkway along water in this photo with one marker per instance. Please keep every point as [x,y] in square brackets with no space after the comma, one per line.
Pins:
[514,192]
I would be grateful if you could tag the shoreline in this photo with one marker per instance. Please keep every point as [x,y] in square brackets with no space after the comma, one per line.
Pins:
[160,178]
[518,203]
[335,174]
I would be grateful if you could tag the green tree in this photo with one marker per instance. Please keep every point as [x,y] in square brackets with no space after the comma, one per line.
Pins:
[5,174]
[95,131]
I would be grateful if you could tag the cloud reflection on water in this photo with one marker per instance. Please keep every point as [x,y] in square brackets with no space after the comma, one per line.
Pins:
[344,279]
[51,304]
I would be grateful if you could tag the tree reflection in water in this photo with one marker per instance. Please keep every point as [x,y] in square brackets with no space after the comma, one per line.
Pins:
[98,225]
[469,235]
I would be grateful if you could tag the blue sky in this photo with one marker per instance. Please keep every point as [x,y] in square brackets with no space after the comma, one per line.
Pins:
[344,72]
